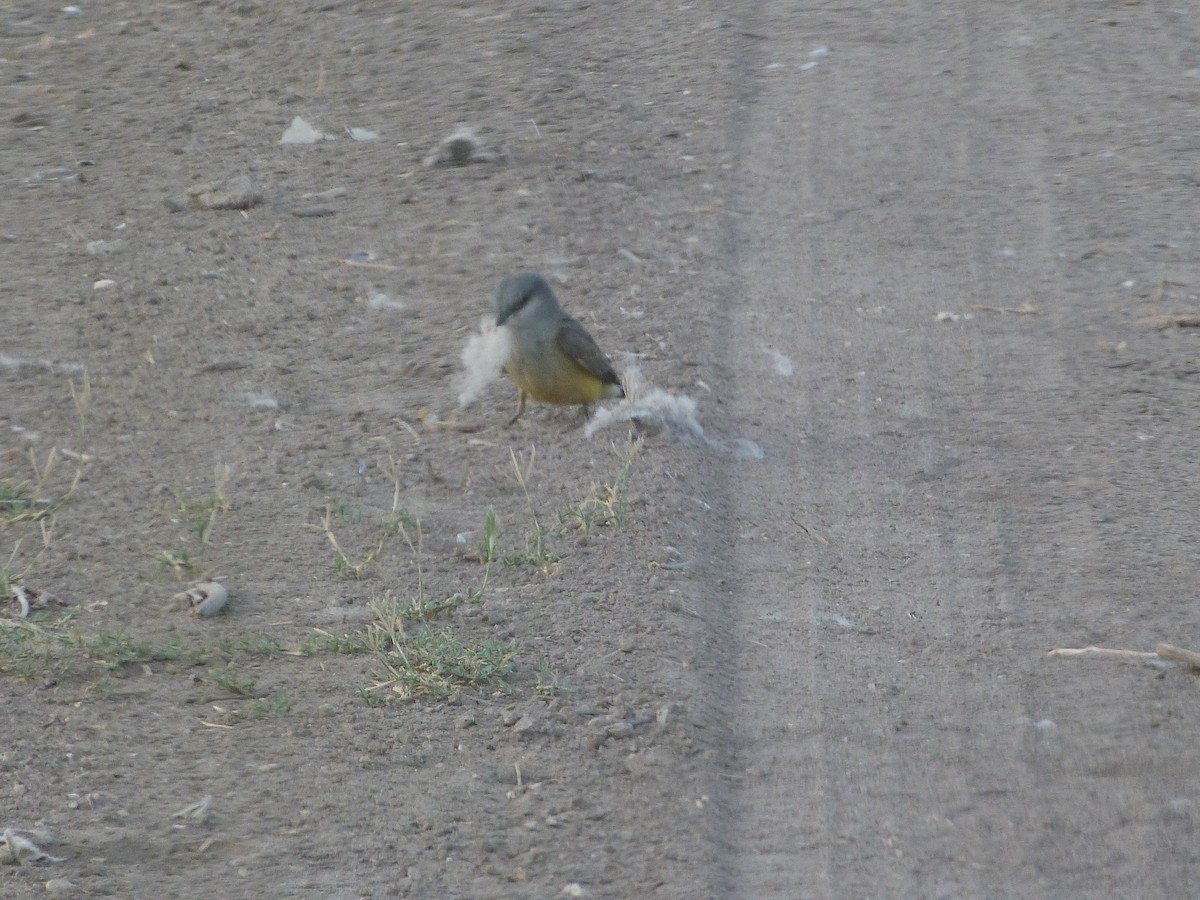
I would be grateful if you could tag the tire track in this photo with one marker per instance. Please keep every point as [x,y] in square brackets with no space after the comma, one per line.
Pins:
[924,527]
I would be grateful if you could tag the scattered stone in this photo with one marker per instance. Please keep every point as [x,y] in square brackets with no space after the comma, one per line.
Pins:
[460,149]
[59,886]
[626,644]
[331,194]
[224,365]
[313,212]
[203,600]
[525,725]
[301,132]
[261,401]
[104,284]
[361,134]
[383,301]
[195,812]
[105,248]
[619,730]
[26,119]
[239,192]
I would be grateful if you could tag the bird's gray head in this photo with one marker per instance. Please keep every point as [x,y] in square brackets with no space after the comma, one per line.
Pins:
[519,292]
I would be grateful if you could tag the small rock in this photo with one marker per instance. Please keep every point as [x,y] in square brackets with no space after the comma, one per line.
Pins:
[59,886]
[300,132]
[525,725]
[619,730]
[626,644]
[204,600]
[313,212]
[104,248]
[459,149]
[239,192]
[28,119]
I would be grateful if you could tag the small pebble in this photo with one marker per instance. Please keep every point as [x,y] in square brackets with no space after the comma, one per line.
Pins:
[104,248]
[525,725]
[239,192]
[619,730]
[313,212]
[204,600]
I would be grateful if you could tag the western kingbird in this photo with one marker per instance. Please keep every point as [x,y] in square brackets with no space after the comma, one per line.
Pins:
[553,358]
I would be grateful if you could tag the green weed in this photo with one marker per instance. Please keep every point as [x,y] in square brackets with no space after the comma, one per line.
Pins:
[604,504]
[438,663]
[548,683]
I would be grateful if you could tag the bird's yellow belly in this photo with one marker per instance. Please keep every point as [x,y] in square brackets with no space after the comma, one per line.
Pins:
[561,381]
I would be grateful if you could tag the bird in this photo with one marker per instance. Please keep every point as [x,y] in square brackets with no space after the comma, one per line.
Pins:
[553,358]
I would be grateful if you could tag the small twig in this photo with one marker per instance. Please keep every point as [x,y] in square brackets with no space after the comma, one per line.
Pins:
[1025,309]
[386,267]
[1102,653]
[15,848]
[1171,320]
[1169,652]
[1189,658]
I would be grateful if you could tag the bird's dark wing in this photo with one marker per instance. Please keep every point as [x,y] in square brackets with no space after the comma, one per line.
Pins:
[575,342]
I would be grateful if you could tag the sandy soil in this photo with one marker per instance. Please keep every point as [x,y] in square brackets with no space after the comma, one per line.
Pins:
[919,256]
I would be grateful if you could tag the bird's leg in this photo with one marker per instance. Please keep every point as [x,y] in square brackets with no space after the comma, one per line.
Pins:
[520,407]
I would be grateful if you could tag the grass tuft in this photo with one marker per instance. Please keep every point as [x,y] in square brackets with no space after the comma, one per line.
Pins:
[605,503]
[437,663]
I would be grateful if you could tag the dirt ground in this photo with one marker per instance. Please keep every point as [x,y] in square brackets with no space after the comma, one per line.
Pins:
[939,264]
